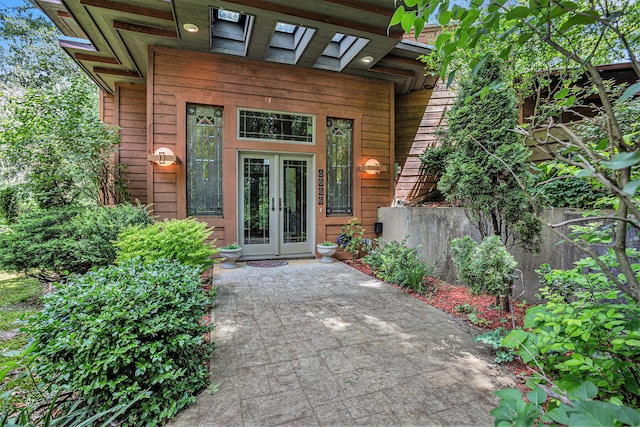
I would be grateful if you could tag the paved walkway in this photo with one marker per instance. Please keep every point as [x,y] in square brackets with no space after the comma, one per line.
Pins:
[322,344]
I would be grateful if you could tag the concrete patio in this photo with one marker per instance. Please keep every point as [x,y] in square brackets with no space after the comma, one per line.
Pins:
[322,344]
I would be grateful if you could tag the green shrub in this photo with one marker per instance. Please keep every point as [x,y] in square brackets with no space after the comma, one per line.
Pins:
[99,227]
[351,237]
[183,240]
[54,242]
[585,341]
[485,268]
[44,242]
[394,262]
[121,330]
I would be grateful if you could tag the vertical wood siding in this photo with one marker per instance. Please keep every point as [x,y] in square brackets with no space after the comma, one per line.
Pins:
[418,117]
[126,109]
[180,77]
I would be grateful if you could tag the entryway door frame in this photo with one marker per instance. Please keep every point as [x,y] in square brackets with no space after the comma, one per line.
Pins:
[273,243]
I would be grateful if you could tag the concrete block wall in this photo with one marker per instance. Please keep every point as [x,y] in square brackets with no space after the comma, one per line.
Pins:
[433,228]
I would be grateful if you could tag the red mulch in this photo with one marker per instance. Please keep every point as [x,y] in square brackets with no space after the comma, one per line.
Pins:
[449,298]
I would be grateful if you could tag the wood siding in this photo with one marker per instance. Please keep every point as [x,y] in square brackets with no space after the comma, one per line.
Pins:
[126,109]
[418,117]
[179,77]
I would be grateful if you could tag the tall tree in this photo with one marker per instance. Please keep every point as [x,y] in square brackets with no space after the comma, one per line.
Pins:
[52,143]
[577,36]
[487,184]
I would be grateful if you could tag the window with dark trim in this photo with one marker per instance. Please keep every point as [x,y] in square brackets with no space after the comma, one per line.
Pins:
[204,160]
[339,182]
[275,126]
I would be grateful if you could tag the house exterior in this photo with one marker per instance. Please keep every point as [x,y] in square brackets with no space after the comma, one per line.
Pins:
[285,119]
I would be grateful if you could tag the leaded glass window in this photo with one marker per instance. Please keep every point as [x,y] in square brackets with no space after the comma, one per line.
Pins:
[275,126]
[339,166]
[204,160]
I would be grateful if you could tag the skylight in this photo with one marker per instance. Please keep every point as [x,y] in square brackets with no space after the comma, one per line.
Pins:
[286,28]
[337,38]
[227,15]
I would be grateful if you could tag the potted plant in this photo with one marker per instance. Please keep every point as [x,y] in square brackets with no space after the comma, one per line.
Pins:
[230,253]
[327,249]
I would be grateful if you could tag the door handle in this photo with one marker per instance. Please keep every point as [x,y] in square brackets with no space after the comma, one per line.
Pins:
[280,203]
[273,204]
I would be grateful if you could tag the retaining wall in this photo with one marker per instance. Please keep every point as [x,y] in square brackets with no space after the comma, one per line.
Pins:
[433,228]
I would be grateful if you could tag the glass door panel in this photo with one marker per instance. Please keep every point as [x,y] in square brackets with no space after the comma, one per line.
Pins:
[294,179]
[257,205]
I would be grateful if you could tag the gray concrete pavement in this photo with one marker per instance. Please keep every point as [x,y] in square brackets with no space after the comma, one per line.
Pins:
[322,344]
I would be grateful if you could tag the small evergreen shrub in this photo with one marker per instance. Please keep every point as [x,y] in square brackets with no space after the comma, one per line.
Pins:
[485,268]
[121,330]
[43,243]
[54,242]
[99,227]
[394,262]
[183,240]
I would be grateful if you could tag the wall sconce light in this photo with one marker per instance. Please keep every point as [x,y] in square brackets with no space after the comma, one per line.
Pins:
[192,28]
[163,157]
[373,167]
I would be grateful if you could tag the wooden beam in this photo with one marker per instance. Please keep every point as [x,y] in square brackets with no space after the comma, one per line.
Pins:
[392,71]
[315,16]
[94,58]
[145,29]
[364,7]
[115,72]
[403,60]
[63,14]
[128,8]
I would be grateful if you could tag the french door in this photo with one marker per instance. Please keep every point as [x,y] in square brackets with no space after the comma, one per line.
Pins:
[274,208]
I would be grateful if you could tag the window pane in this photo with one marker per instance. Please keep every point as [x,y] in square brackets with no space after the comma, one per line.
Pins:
[204,160]
[276,126]
[339,166]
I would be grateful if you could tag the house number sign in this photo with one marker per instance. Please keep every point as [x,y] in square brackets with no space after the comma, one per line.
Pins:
[321,186]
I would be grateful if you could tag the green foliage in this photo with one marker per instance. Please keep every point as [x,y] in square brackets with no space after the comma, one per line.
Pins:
[558,186]
[494,338]
[231,246]
[576,407]
[351,237]
[98,229]
[394,262]
[8,204]
[183,240]
[482,163]
[121,330]
[30,56]
[57,146]
[65,240]
[583,340]
[485,268]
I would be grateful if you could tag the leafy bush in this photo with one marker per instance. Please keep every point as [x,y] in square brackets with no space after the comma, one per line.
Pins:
[65,240]
[575,407]
[558,186]
[122,330]
[485,268]
[182,240]
[584,341]
[394,262]
[351,237]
